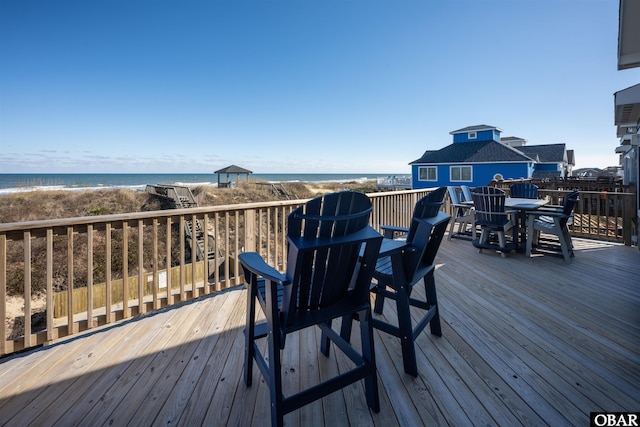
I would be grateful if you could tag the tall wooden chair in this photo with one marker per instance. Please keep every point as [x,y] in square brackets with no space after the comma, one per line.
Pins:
[331,257]
[396,276]
[555,222]
[524,190]
[462,214]
[493,219]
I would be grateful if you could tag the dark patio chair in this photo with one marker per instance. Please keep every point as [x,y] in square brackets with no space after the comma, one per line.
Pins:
[462,214]
[524,190]
[428,206]
[331,256]
[553,221]
[493,220]
[397,274]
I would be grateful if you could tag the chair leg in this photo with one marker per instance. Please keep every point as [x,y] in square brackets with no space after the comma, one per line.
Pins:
[530,233]
[452,226]
[502,240]
[275,378]
[325,341]
[346,327]
[567,238]
[484,237]
[368,354]
[406,332]
[564,246]
[249,334]
[378,306]
[432,300]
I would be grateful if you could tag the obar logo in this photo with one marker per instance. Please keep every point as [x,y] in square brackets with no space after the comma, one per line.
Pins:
[610,419]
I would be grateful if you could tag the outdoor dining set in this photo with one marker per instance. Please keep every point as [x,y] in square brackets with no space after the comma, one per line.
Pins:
[337,262]
[522,212]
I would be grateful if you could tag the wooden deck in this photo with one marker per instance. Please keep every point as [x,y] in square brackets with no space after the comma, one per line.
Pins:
[526,342]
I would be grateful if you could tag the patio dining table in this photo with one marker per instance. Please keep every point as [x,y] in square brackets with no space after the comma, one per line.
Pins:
[522,205]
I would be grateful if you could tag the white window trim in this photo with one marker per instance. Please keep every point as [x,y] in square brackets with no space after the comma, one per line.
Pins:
[473,135]
[460,180]
[428,167]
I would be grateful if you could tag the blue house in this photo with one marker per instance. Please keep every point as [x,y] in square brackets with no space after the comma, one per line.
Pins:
[478,154]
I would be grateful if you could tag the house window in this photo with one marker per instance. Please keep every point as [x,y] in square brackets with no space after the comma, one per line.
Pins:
[427,173]
[461,173]
[473,135]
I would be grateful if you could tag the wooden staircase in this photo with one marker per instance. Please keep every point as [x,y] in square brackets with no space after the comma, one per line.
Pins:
[180,197]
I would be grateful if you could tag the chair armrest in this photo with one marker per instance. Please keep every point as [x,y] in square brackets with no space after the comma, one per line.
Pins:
[539,212]
[254,263]
[388,231]
[505,213]
[464,207]
[551,208]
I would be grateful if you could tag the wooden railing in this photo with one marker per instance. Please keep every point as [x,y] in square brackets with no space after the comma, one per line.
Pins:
[74,274]
[69,274]
[602,215]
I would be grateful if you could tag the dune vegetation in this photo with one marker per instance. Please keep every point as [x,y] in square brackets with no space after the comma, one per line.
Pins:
[43,205]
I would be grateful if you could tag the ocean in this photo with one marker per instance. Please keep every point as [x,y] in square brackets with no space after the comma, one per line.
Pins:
[15,183]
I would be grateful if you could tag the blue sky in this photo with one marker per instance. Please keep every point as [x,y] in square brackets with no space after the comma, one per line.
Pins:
[335,86]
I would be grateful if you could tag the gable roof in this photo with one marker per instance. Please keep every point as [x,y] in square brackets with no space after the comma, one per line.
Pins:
[546,153]
[476,128]
[474,152]
[234,169]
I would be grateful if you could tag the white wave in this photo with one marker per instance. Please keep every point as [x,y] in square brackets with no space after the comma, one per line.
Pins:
[196,184]
[6,191]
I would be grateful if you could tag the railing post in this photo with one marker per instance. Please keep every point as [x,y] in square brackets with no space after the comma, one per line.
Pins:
[3,293]
[250,230]
[107,296]
[49,296]
[141,307]
[70,326]
[89,276]
[125,269]
[627,219]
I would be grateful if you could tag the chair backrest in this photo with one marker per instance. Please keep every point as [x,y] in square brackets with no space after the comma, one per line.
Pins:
[466,192]
[427,228]
[569,204]
[423,244]
[332,253]
[489,206]
[430,204]
[427,207]
[525,190]
[454,195]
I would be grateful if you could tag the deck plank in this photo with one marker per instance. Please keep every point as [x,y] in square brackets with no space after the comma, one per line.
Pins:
[526,341]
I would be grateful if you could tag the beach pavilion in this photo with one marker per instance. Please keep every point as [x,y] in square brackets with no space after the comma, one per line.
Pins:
[229,172]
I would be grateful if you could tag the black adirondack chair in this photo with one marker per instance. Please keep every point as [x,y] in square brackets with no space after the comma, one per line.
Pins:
[524,190]
[493,220]
[553,221]
[331,257]
[427,207]
[398,273]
